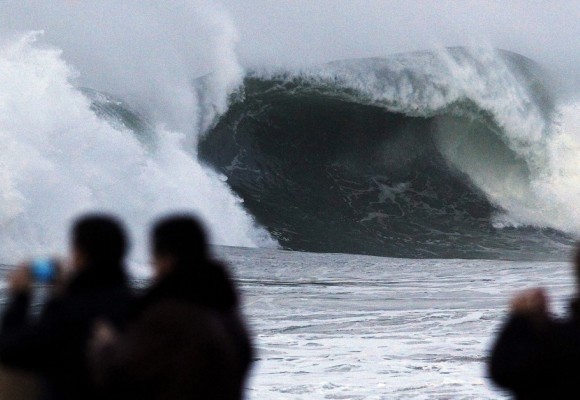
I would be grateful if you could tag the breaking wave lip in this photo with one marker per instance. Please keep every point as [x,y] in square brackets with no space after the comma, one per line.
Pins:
[449,153]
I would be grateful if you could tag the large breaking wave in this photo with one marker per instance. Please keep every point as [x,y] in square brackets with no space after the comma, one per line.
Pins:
[65,151]
[451,153]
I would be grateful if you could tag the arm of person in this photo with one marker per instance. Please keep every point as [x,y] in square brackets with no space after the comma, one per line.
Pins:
[15,316]
[16,313]
[522,351]
[32,344]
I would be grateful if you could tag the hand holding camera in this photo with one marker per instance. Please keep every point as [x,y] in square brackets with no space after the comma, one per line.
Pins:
[42,271]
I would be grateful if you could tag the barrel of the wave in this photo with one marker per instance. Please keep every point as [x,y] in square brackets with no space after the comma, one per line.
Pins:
[326,169]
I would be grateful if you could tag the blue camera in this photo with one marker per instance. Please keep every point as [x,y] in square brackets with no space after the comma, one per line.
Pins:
[44,270]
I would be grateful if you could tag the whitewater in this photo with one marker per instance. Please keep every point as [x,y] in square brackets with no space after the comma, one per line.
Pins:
[376,213]
[59,159]
[338,326]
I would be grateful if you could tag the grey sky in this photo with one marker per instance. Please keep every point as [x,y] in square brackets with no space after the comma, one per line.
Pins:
[129,42]
[310,31]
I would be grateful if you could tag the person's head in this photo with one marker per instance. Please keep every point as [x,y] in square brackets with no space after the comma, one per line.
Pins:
[98,240]
[177,241]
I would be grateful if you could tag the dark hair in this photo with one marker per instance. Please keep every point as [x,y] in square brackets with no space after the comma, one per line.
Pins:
[101,238]
[195,277]
[182,237]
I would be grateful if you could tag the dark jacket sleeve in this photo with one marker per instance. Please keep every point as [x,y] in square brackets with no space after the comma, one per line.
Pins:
[521,354]
[33,344]
[16,313]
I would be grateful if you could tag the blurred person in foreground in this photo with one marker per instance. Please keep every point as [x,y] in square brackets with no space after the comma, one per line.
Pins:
[53,343]
[186,338]
[537,356]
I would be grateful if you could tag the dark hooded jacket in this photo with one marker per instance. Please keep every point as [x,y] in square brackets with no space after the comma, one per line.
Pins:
[54,343]
[186,340]
[538,359]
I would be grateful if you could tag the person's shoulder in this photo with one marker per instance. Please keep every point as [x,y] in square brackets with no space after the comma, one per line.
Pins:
[175,308]
[87,304]
[177,318]
[105,294]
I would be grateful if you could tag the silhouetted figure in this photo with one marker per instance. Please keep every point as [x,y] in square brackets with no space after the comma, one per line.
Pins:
[187,339]
[535,355]
[53,343]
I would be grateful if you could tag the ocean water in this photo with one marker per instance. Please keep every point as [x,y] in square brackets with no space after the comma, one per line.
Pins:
[339,326]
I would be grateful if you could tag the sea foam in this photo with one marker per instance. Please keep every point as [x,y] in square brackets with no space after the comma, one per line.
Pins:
[58,160]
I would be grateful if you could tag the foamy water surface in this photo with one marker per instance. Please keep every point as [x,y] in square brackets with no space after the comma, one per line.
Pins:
[353,327]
